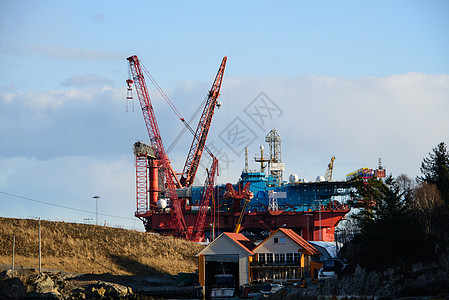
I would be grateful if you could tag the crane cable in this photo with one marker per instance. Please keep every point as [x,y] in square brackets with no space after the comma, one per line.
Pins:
[63,206]
[172,106]
[183,130]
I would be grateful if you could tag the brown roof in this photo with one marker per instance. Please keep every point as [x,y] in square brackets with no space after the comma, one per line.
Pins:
[299,240]
[242,241]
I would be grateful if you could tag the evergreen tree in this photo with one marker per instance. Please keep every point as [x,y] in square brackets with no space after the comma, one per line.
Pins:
[387,233]
[435,170]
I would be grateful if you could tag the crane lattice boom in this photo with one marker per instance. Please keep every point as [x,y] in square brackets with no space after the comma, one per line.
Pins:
[329,170]
[200,136]
[205,199]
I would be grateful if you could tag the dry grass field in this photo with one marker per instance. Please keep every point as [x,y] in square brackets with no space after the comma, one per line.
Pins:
[81,248]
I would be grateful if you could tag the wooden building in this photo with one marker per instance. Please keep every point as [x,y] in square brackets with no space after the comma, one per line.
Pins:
[282,257]
[231,254]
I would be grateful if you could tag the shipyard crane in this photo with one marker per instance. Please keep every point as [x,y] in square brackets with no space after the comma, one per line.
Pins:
[200,136]
[197,148]
[329,170]
[171,180]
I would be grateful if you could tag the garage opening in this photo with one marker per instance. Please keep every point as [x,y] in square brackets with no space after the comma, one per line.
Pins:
[221,275]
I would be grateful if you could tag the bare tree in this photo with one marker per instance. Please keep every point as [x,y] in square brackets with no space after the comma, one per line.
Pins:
[426,205]
[406,187]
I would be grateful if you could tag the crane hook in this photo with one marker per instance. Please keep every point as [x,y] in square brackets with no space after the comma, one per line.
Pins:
[129,94]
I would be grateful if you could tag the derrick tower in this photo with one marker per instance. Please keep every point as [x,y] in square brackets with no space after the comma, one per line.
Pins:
[276,166]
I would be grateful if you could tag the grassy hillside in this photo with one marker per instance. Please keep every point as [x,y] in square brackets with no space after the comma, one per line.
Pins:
[82,248]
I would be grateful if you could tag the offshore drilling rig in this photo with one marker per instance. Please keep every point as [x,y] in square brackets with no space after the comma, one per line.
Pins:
[259,203]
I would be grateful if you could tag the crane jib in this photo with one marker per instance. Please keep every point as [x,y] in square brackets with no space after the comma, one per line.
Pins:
[202,130]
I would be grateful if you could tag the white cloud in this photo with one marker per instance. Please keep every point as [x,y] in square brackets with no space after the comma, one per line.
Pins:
[399,118]
[68,145]
[43,100]
[45,124]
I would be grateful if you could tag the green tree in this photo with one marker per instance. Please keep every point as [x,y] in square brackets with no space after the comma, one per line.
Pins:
[388,234]
[435,170]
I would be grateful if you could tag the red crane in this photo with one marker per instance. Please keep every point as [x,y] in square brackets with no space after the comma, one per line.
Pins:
[197,148]
[156,142]
[200,136]
[206,195]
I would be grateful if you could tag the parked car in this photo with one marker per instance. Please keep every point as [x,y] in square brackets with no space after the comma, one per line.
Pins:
[272,288]
[331,268]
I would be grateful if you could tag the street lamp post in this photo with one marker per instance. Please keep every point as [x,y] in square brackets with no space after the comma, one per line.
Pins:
[96,207]
[319,218]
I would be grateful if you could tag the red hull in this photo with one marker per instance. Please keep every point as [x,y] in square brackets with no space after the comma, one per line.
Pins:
[311,225]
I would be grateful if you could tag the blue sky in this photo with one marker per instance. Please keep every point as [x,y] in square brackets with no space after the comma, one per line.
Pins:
[358,80]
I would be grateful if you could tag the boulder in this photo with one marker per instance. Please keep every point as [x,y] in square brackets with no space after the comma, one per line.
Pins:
[12,288]
[43,284]
[114,290]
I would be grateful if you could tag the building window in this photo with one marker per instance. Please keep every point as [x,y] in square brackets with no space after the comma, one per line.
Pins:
[289,258]
[279,240]
[262,258]
[277,259]
[269,258]
[282,258]
[296,258]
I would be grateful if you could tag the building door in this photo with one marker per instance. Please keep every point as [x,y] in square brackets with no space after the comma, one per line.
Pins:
[216,265]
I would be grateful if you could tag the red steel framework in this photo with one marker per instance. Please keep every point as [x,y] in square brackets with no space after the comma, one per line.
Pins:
[171,180]
[141,184]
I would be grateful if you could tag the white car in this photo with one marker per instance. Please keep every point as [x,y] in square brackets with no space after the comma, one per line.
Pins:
[331,268]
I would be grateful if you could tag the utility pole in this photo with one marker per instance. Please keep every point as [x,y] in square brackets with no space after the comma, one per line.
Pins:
[213,218]
[308,215]
[96,205]
[13,248]
[40,248]
[319,218]
[321,229]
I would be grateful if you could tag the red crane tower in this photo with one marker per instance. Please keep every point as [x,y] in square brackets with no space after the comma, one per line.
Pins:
[156,141]
[193,159]
[200,136]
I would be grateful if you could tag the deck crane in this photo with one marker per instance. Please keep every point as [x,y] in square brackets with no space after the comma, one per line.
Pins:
[237,196]
[200,136]
[171,180]
[156,141]
[329,170]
